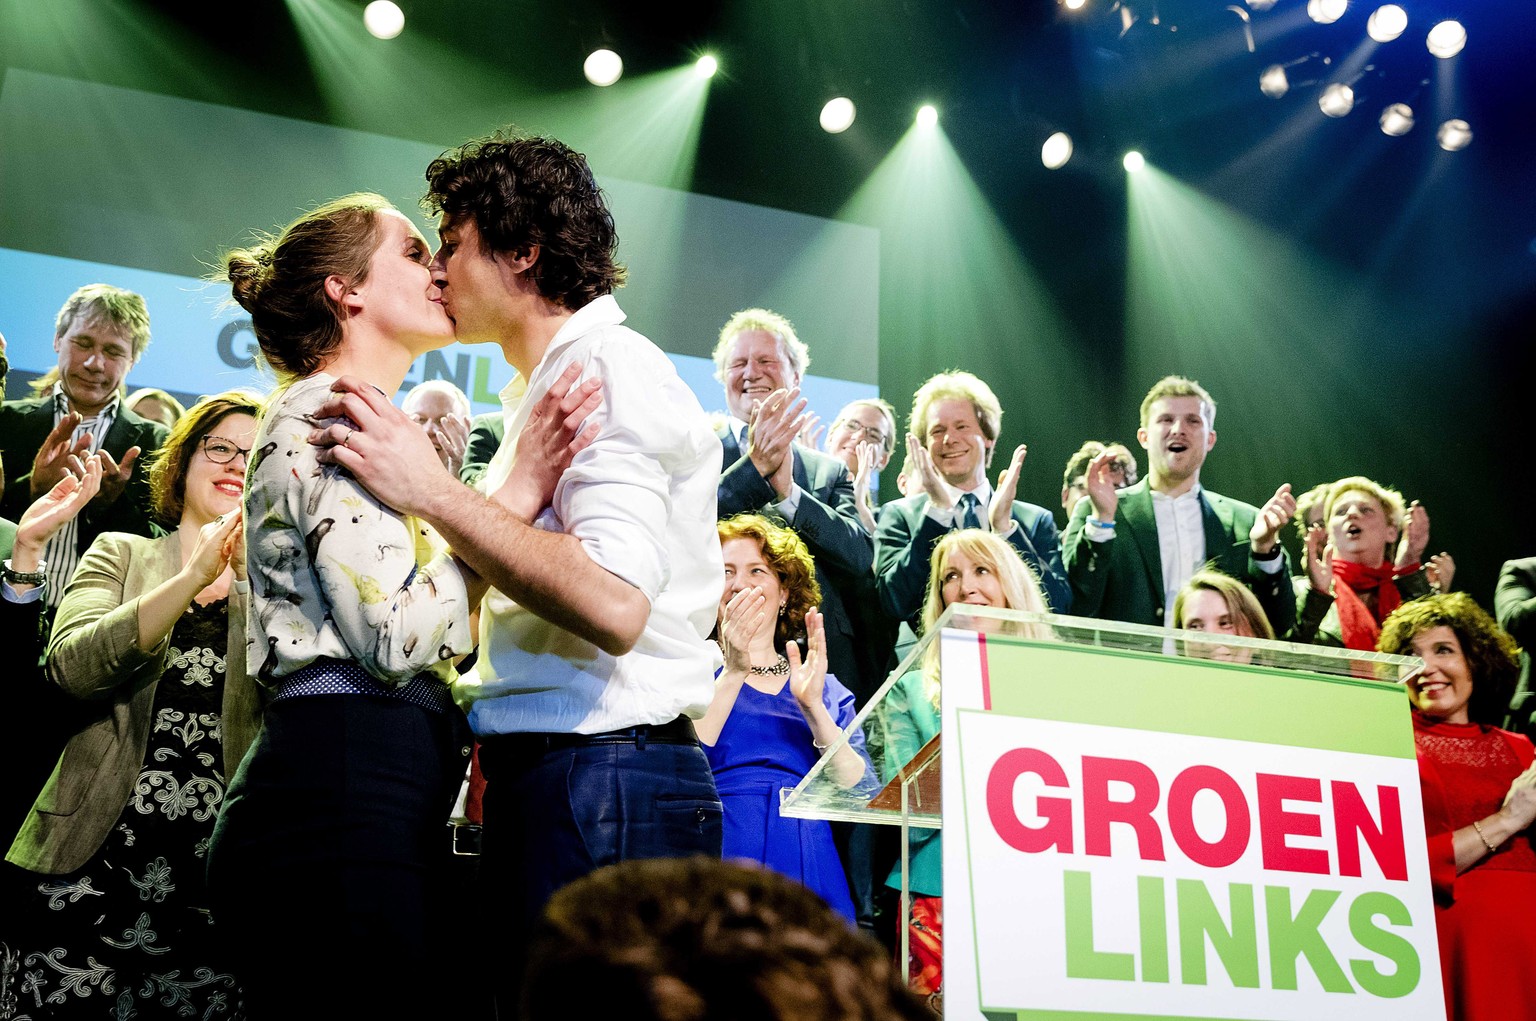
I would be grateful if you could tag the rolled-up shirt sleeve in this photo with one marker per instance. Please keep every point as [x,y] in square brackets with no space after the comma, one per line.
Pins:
[615,498]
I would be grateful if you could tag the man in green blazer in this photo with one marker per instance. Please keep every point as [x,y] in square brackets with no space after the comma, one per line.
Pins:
[1128,552]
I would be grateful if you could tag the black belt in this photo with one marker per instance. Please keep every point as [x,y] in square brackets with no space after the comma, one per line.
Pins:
[678,731]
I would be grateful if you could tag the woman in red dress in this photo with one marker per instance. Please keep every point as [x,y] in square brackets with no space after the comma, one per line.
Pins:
[1479,802]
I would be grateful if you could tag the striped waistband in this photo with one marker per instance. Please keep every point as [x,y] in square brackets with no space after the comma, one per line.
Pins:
[344,677]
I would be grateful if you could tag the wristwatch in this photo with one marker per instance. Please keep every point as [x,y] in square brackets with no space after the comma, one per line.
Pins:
[36,577]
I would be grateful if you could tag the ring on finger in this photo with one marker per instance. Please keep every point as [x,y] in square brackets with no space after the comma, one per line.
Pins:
[346,441]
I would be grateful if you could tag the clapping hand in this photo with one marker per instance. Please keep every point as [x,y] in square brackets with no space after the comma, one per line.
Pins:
[776,420]
[1415,535]
[1440,570]
[1271,518]
[927,475]
[450,434]
[808,676]
[51,511]
[1100,484]
[1001,512]
[1318,552]
[52,461]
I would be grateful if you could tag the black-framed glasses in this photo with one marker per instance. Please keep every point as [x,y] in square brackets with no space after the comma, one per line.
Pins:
[221,451]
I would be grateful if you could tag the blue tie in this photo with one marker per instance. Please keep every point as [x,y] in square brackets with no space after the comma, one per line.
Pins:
[969,518]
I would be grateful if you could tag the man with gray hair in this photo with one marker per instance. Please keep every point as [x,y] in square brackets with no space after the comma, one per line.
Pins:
[761,361]
[443,412]
[99,334]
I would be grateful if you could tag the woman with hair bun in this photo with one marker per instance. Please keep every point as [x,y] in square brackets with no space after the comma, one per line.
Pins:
[326,867]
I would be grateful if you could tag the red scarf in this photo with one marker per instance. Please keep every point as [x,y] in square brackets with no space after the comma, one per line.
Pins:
[1359,627]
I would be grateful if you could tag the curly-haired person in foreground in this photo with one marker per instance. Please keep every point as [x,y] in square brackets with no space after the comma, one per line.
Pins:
[686,939]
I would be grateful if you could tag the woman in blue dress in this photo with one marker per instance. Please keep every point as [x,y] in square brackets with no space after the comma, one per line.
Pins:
[776,711]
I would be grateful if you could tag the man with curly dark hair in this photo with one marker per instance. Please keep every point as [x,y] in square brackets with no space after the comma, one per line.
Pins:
[594,651]
[689,940]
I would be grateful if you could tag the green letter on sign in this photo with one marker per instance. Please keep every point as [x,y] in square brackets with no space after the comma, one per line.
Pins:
[1238,949]
[1362,923]
[1082,960]
[1290,938]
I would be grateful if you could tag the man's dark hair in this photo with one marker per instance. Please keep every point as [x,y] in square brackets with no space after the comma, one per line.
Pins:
[695,939]
[526,191]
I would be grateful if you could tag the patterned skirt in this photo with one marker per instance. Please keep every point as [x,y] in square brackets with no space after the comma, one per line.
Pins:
[128,935]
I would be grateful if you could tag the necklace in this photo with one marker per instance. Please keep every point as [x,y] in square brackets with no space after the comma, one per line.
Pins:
[778,669]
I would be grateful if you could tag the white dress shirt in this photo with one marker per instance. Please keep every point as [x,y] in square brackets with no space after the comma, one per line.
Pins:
[642,501]
[1180,539]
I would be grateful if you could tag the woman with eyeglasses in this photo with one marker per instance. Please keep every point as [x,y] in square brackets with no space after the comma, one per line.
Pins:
[111,915]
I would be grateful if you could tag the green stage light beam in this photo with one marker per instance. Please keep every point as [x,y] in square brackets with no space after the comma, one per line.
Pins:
[956,293]
[1277,335]
[643,128]
[397,86]
[143,48]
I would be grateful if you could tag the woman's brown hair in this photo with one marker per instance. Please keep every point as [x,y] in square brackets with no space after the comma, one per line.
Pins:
[168,465]
[280,280]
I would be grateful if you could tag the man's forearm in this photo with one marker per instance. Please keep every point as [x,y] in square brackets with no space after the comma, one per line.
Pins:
[549,573]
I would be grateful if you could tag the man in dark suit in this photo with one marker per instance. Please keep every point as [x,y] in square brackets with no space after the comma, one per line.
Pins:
[760,362]
[98,335]
[1129,551]
[1514,603]
[951,434]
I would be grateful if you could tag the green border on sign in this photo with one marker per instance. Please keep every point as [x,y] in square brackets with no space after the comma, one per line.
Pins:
[1178,695]
[1146,691]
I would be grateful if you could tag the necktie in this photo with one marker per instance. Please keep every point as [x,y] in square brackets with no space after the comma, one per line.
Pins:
[968,516]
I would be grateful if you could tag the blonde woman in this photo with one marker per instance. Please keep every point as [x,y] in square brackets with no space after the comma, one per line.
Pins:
[977,568]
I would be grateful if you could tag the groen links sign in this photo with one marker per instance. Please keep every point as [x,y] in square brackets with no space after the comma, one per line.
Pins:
[1130,835]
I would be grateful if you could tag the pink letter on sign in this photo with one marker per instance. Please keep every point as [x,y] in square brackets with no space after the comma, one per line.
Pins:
[1057,812]
[1181,816]
[1276,824]
[1099,812]
[1351,818]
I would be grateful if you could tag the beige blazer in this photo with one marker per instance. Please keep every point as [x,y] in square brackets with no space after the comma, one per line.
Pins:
[93,655]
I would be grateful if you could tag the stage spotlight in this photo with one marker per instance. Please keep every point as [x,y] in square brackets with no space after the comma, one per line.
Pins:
[1397,119]
[1273,82]
[1454,135]
[1446,39]
[1261,5]
[1056,151]
[384,19]
[1134,162]
[603,67]
[1073,5]
[707,66]
[1386,23]
[837,115]
[927,115]
[1337,100]
[1326,12]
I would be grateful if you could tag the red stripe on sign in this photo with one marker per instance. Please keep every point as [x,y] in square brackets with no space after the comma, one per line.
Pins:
[986,676]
